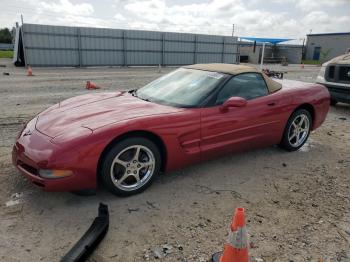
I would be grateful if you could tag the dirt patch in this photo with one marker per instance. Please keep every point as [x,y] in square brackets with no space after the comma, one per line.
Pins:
[298,204]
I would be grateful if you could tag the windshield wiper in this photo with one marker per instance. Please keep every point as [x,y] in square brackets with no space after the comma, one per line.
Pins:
[133,92]
[144,99]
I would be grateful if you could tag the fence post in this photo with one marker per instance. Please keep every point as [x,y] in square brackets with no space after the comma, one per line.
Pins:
[124,49]
[162,58]
[79,47]
[195,49]
[223,49]
[238,52]
[24,45]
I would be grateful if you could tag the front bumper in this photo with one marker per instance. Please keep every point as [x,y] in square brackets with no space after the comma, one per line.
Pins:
[339,92]
[35,151]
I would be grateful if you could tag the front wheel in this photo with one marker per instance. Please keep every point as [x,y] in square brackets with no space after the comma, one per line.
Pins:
[297,130]
[130,166]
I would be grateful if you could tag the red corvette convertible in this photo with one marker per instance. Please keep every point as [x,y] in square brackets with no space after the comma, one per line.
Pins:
[192,114]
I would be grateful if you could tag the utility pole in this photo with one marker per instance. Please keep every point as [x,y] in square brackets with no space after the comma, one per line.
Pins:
[22,19]
[233,29]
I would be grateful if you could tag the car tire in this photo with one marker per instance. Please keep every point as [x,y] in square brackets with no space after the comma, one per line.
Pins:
[333,102]
[130,166]
[296,132]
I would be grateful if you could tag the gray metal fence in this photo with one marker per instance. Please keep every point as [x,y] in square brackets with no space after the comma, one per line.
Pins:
[5,46]
[46,45]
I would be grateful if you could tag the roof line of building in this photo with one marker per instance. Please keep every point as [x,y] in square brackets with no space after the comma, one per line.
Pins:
[244,43]
[341,33]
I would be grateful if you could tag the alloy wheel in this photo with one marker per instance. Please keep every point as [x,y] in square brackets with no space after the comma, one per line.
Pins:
[299,130]
[132,167]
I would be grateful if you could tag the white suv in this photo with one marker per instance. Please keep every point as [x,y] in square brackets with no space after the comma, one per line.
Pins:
[335,75]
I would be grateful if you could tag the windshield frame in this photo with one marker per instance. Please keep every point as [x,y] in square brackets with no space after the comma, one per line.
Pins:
[201,102]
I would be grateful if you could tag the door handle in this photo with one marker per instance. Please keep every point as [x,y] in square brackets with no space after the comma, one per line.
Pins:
[271,104]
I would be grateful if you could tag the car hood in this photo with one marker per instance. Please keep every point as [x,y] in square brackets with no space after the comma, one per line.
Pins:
[343,59]
[96,110]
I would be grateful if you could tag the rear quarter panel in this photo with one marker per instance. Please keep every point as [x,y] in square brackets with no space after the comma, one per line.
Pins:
[313,94]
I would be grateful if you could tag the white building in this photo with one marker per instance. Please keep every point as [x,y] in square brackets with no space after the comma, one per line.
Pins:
[324,47]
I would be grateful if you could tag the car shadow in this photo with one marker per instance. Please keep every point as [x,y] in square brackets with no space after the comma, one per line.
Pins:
[224,174]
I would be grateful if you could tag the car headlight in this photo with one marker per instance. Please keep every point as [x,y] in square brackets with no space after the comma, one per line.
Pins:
[47,173]
[68,136]
[321,74]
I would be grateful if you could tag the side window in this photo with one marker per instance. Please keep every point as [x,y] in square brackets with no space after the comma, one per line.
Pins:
[247,85]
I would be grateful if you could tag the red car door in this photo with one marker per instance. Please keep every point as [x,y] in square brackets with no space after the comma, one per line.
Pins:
[257,124]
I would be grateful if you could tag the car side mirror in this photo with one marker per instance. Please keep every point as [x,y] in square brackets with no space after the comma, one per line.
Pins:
[233,102]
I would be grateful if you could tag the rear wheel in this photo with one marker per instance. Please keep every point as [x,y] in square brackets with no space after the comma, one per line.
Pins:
[130,166]
[297,130]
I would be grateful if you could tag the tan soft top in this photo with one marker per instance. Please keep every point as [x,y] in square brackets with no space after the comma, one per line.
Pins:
[232,69]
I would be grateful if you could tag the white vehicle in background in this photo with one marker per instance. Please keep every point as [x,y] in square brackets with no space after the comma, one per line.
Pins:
[335,75]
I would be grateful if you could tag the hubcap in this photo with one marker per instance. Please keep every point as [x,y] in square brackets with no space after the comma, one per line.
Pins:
[299,130]
[132,167]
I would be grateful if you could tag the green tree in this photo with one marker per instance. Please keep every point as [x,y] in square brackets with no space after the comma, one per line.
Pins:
[325,54]
[5,36]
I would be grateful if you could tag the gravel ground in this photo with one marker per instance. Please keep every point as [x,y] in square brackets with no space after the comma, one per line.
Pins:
[297,204]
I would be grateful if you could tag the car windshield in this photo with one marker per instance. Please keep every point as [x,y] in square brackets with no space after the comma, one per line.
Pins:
[181,88]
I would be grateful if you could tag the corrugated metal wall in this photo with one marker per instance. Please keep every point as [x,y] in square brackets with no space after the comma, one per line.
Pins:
[332,45]
[4,46]
[293,53]
[46,45]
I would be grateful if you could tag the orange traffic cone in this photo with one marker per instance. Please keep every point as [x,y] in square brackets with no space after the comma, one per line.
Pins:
[90,85]
[29,71]
[236,250]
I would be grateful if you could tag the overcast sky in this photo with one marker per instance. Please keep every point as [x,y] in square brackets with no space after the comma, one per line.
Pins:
[257,18]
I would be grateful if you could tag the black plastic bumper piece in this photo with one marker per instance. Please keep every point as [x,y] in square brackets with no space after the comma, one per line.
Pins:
[339,93]
[89,241]
[216,257]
